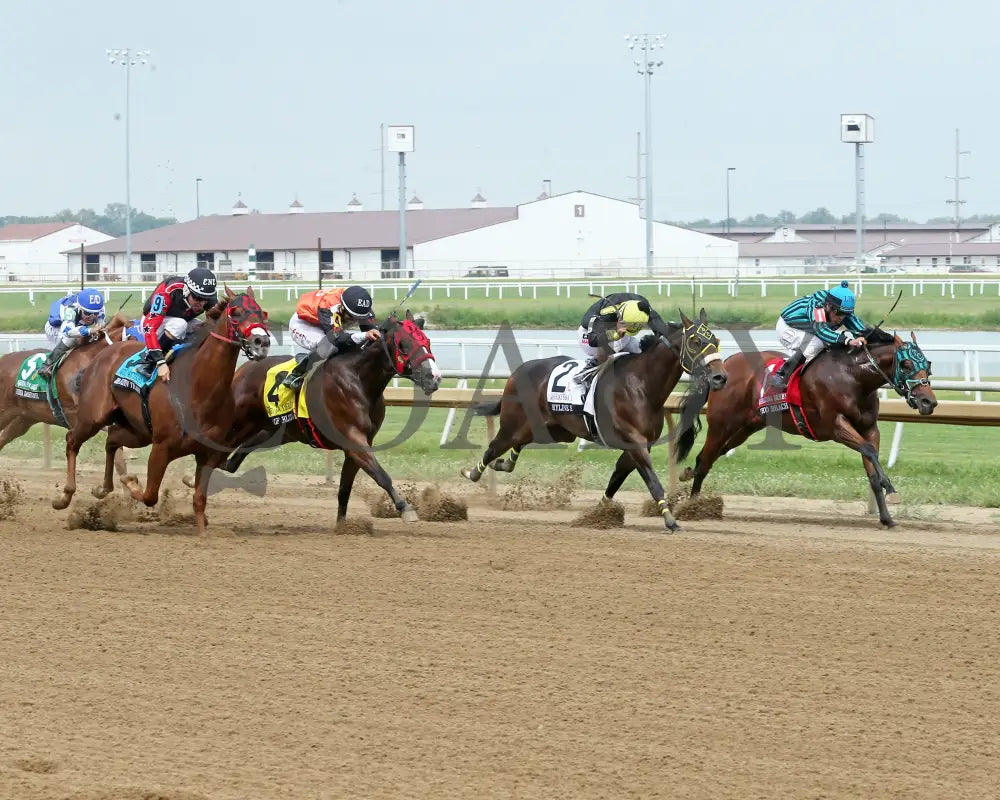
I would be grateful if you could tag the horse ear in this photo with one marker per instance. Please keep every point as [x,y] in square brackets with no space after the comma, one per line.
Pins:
[420,322]
[684,320]
[409,315]
[250,293]
[229,292]
[913,337]
[702,316]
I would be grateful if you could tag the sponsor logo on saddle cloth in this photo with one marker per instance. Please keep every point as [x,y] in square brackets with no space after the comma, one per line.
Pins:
[279,401]
[772,399]
[29,384]
[565,394]
[126,376]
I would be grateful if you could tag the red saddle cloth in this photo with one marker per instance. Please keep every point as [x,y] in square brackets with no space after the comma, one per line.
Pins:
[773,399]
[773,395]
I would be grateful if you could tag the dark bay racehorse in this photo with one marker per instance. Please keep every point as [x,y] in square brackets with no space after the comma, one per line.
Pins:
[630,394]
[344,397]
[188,414]
[839,399]
[18,414]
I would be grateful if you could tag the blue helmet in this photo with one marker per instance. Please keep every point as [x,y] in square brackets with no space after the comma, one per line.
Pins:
[90,302]
[842,296]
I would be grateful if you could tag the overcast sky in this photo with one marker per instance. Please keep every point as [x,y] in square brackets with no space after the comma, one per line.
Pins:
[277,99]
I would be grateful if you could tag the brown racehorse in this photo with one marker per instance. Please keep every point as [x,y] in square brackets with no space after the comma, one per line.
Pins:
[631,394]
[839,399]
[18,414]
[188,414]
[346,405]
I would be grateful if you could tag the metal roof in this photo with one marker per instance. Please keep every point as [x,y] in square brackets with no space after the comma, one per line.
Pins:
[339,230]
[29,231]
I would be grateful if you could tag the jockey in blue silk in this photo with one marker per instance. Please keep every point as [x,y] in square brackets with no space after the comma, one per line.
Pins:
[72,321]
[812,323]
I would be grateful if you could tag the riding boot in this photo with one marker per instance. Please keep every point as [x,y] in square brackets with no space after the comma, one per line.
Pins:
[52,358]
[294,379]
[780,376]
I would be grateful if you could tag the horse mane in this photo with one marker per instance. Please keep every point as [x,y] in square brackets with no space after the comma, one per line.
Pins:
[650,339]
[877,336]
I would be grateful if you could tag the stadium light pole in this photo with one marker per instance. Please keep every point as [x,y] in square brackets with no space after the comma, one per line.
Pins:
[128,58]
[647,44]
[197,198]
[729,171]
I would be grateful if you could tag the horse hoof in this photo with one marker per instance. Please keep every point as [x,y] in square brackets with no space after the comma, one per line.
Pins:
[100,492]
[468,473]
[500,465]
[61,502]
[687,474]
[409,515]
[893,498]
[188,481]
[889,523]
[129,480]
[673,528]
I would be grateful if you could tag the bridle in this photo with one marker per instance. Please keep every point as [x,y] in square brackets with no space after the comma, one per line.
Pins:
[689,357]
[405,363]
[240,333]
[903,381]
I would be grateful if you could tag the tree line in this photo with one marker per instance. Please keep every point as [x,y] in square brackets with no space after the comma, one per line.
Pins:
[111,222]
[823,216]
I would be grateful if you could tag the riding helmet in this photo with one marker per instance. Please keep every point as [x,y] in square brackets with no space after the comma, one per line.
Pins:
[90,302]
[356,302]
[842,297]
[201,283]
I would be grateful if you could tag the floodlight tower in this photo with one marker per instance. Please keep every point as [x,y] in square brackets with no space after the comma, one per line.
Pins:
[859,130]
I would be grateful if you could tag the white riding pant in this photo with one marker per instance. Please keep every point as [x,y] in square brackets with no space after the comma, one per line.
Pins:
[791,338]
[305,334]
[627,344]
[177,327]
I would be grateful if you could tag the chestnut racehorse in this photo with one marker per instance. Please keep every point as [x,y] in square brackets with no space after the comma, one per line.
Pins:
[344,395]
[839,400]
[187,414]
[18,414]
[631,394]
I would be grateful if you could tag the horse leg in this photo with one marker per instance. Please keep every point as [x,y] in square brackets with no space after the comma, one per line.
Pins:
[366,460]
[18,426]
[847,435]
[874,437]
[501,443]
[716,444]
[623,468]
[159,458]
[348,471]
[246,448]
[75,438]
[114,460]
[644,463]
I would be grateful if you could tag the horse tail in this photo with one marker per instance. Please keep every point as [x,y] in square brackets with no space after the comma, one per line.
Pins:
[490,409]
[691,405]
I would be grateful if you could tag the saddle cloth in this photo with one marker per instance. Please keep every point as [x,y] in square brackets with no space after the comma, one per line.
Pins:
[29,384]
[773,400]
[279,401]
[568,396]
[127,377]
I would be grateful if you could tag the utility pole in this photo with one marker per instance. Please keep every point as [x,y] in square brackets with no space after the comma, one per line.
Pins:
[958,178]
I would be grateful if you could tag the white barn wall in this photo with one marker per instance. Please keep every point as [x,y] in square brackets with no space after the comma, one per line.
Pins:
[44,258]
[549,237]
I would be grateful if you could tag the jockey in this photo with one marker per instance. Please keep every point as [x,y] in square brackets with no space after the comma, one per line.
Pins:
[318,326]
[612,323]
[169,313]
[78,317]
[810,324]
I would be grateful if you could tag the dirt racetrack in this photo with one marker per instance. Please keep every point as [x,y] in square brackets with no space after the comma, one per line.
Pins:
[773,654]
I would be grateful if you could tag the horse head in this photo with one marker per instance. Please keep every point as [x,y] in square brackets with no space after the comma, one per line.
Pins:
[246,322]
[699,351]
[912,376]
[409,350]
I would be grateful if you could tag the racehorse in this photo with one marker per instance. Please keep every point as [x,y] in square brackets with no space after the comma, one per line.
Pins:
[18,414]
[631,393]
[839,402]
[187,415]
[349,402]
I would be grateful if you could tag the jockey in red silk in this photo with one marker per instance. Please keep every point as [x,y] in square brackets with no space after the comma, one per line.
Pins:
[168,314]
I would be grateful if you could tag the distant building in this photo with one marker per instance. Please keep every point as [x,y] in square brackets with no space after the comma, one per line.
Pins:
[811,248]
[576,234]
[35,251]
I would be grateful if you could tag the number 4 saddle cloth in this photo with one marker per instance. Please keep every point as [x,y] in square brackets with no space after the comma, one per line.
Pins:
[285,405]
